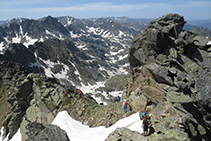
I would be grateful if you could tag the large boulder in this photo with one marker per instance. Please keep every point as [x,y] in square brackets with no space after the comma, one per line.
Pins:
[36,131]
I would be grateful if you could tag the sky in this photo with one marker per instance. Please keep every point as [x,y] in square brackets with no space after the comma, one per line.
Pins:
[35,9]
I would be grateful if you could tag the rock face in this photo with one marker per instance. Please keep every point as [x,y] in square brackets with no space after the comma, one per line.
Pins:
[170,76]
[27,97]
[51,132]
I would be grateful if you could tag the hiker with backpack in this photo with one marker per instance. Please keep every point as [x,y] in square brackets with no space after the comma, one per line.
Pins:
[125,106]
[145,125]
[79,92]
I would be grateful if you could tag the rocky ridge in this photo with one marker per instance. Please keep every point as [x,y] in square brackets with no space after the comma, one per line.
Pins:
[170,76]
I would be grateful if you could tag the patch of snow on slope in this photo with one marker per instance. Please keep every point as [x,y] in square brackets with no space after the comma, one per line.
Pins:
[76,131]
[69,21]
[50,65]
[21,30]
[115,53]
[29,41]
[209,43]
[121,71]
[1,135]
[97,31]
[123,57]
[1,47]
[74,35]
[112,60]
[16,39]
[52,34]
[17,136]
[81,46]
[121,34]
[91,88]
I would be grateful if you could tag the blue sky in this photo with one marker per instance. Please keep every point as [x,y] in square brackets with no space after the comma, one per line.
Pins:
[34,9]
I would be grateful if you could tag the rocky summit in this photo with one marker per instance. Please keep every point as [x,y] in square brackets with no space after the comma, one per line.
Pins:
[170,77]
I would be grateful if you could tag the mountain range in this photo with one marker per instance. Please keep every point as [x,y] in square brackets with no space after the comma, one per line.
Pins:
[78,52]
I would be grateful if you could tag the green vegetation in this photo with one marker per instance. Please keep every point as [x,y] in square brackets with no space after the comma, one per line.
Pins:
[148,81]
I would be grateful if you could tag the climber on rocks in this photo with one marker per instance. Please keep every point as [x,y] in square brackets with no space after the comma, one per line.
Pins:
[79,92]
[146,123]
[125,106]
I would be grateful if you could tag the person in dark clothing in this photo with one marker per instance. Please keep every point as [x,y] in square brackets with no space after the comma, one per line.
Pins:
[146,123]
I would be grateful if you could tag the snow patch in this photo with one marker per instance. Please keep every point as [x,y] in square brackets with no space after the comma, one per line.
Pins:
[37,63]
[29,40]
[69,21]
[76,131]
[123,57]
[52,34]
[17,136]
[16,39]
[209,43]
[74,35]
[81,46]
[1,47]
[1,135]
[49,73]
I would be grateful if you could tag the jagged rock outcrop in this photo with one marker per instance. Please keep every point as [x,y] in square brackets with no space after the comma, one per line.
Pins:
[170,77]
[124,134]
[40,133]
[26,96]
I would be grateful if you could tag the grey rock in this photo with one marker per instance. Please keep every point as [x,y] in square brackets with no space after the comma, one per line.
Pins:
[51,132]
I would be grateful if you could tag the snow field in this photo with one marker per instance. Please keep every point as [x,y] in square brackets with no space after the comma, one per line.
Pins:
[76,131]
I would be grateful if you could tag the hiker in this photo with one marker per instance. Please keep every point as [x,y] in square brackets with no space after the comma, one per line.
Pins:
[125,106]
[65,92]
[145,125]
[79,92]
[75,92]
